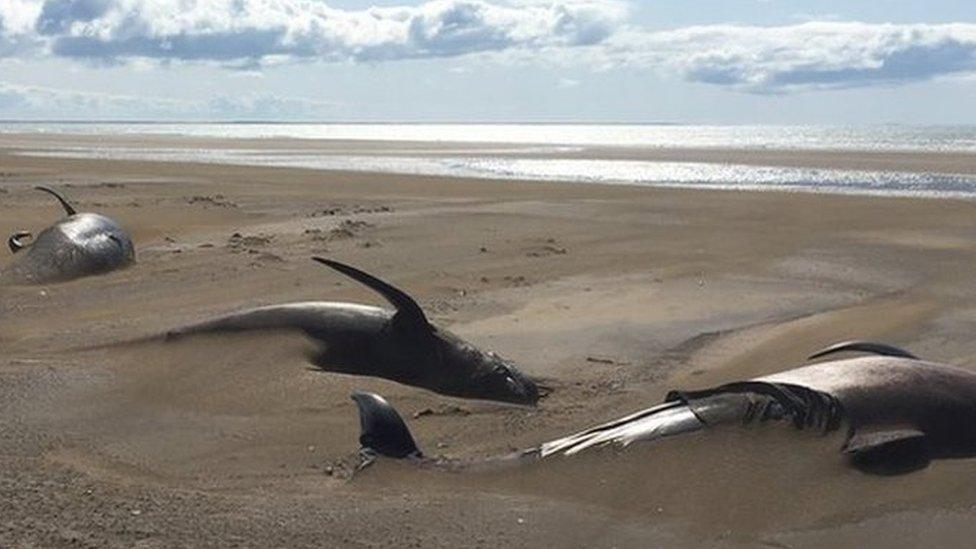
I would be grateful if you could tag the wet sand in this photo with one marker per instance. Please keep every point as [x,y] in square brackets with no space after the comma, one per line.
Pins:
[611,295]
[909,161]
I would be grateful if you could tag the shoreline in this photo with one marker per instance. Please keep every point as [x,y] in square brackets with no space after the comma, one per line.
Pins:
[906,174]
[90,164]
[812,157]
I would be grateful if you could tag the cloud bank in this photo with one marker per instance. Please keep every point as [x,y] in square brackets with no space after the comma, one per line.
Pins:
[262,30]
[814,55]
[25,102]
[590,34]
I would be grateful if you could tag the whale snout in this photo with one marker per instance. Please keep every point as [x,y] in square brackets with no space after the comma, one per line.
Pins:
[513,386]
[470,372]
[526,390]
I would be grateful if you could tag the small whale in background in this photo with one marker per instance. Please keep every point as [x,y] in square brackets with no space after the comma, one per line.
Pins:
[900,412]
[81,244]
[400,344]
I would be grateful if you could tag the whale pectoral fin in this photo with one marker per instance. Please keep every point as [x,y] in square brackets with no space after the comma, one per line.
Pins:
[16,243]
[863,347]
[888,452]
[382,430]
[409,314]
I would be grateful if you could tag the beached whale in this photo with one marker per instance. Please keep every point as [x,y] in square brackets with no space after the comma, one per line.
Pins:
[400,345]
[899,412]
[81,244]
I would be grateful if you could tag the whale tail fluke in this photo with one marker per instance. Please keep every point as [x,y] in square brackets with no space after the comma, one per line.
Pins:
[382,430]
[664,420]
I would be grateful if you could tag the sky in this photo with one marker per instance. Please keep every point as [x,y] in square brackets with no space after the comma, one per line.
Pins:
[620,61]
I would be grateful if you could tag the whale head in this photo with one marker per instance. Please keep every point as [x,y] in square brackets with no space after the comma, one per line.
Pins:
[473,373]
[415,351]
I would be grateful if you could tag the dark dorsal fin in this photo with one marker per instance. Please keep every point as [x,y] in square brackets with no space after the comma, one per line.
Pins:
[409,312]
[863,347]
[382,429]
[64,202]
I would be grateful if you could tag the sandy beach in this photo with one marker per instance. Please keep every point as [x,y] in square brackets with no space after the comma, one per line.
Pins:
[611,295]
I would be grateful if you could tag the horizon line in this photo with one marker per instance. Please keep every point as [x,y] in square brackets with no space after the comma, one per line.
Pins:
[258,122]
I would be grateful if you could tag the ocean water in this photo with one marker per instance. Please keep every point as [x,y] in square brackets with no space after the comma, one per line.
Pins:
[868,137]
[537,151]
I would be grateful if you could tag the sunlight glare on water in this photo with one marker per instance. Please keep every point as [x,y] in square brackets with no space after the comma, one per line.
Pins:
[538,152]
[873,137]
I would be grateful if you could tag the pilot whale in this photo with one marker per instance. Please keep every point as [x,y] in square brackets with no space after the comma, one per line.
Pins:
[899,412]
[399,344]
[81,244]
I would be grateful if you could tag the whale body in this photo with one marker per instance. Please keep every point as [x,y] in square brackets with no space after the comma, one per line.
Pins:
[399,344]
[81,244]
[899,413]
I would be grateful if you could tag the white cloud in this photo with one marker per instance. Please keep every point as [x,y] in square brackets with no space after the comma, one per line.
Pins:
[584,34]
[799,57]
[254,31]
[18,16]
[34,101]
[16,26]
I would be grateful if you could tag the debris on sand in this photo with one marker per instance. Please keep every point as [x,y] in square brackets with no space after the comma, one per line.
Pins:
[515,280]
[347,228]
[353,209]
[443,410]
[260,257]
[217,201]
[251,245]
[548,248]
[239,242]
[327,212]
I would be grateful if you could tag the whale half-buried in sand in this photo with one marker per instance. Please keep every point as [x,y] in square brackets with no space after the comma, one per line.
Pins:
[899,412]
[81,244]
[400,345]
